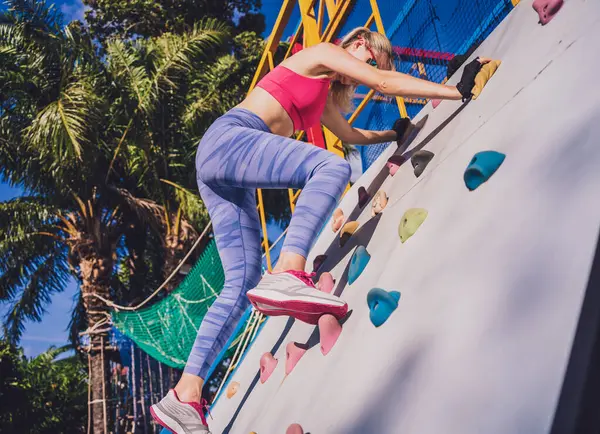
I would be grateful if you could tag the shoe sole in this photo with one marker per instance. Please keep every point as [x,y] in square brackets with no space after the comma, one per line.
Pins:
[305,311]
[165,421]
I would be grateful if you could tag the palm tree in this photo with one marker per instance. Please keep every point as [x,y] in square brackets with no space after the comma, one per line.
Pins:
[74,134]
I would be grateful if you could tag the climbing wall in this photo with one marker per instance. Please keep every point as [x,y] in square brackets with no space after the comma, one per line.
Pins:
[491,283]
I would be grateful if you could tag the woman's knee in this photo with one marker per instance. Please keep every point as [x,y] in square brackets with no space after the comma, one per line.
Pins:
[337,170]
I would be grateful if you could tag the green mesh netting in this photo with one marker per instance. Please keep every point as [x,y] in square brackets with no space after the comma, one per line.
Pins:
[167,329]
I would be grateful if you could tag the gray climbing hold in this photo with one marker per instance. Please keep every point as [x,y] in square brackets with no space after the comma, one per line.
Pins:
[420,160]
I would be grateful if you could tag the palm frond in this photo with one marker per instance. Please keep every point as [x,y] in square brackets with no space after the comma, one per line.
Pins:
[64,126]
[49,275]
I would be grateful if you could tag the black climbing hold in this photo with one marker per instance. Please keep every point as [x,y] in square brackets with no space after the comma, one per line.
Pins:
[420,160]
[363,197]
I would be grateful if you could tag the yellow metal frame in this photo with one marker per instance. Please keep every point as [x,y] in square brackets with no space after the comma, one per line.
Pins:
[312,13]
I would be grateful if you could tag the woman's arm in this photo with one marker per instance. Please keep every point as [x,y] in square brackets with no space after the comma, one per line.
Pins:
[339,126]
[391,83]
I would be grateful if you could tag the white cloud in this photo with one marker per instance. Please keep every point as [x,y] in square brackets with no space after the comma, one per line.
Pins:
[73,10]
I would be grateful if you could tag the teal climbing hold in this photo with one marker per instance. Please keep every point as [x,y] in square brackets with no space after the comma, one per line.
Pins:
[482,166]
[359,261]
[381,305]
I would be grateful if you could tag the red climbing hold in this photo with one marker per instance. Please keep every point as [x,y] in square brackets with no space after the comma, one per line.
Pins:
[326,283]
[435,102]
[329,332]
[294,429]
[293,354]
[268,363]
[547,9]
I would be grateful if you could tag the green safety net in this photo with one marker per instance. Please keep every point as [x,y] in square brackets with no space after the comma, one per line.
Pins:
[167,329]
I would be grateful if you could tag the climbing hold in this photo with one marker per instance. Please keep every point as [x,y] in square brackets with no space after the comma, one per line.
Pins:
[232,389]
[294,429]
[547,9]
[359,261]
[347,231]
[435,102]
[411,220]
[326,282]
[363,197]
[381,305]
[482,166]
[318,261]
[380,201]
[483,76]
[394,163]
[420,160]
[268,363]
[338,220]
[329,332]
[293,354]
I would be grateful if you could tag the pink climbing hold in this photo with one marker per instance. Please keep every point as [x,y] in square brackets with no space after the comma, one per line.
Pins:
[293,354]
[329,332]
[394,163]
[435,102]
[547,9]
[326,283]
[294,429]
[268,363]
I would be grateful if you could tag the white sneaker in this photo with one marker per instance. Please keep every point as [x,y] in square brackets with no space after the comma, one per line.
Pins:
[293,293]
[180,417]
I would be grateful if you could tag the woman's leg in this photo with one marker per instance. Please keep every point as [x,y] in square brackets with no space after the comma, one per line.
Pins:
[259,159]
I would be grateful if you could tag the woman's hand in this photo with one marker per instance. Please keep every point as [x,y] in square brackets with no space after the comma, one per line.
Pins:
[467,81]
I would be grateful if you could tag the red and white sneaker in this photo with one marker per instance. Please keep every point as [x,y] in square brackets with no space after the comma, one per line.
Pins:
[293,293]
[180,417]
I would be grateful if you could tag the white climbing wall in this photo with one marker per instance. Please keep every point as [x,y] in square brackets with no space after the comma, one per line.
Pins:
[492,282]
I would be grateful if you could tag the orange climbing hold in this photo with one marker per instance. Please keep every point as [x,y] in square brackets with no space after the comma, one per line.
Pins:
[380,201]
[338,220]
[268,363]
[232,389]
[329,332]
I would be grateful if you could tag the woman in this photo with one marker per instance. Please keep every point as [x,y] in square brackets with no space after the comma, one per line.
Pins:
[249,148]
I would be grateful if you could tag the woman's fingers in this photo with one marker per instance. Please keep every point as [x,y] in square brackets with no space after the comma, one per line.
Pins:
[484,60]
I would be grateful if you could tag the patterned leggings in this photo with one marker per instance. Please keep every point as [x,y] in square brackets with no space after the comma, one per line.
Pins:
[237,155]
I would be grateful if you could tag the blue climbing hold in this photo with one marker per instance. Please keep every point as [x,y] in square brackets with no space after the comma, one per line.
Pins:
[381,304]
[482,167]
[359,261]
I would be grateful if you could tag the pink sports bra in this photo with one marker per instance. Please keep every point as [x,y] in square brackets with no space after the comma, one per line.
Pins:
[303,98]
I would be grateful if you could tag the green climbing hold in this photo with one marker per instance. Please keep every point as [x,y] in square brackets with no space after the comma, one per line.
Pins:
[411,220]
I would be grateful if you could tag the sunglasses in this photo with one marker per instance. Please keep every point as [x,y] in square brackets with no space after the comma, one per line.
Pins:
[372,60]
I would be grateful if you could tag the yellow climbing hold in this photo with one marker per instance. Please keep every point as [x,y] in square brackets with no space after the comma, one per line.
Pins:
[347,230]
[411,220]
[485,73]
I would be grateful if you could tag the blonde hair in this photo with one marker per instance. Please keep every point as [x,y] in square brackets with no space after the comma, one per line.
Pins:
[342,94]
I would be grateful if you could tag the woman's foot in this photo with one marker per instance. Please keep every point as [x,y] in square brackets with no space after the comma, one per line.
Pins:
[293,293]
[180,417]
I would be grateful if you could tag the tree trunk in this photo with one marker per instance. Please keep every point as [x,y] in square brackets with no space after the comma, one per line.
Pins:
[95,275]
